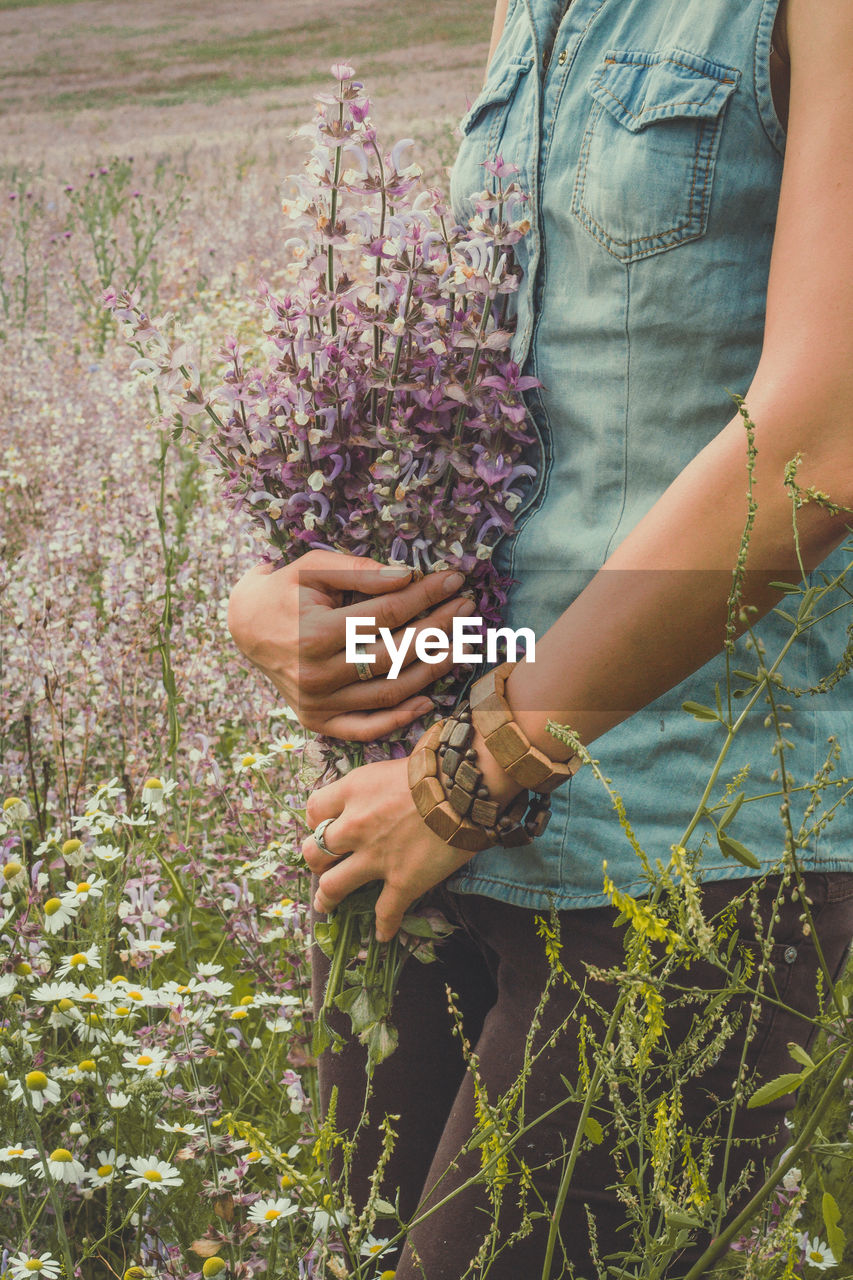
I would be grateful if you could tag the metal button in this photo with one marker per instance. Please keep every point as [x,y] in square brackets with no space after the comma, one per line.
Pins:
[564,53]
[790,955]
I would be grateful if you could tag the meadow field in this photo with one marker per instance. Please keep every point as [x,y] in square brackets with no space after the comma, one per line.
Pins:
[158,1111]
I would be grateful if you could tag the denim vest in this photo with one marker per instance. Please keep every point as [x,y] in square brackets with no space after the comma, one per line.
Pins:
[648,142]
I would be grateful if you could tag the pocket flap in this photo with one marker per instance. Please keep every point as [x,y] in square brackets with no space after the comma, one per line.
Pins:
[639,88]
[496,91]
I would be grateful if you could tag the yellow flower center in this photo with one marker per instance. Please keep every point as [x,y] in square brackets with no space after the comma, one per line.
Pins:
[15,1151]
[94,1019]
[88,1064]
[11,870]
[65,1004]
[23,967]
[239,1013]
[104,1170]
[83,887]
[90,995]
[153,784]
[248,761]
[252,1156]
[213,1267]
[36,1080]
[247,1000]
[77,959]
[144,1060]
[134,995]
[10,802]
[272,1214]
[153,1175]
[32,1264]
[61,1156]
[122,1010]
[52,906]
[285,1181]
[71,846]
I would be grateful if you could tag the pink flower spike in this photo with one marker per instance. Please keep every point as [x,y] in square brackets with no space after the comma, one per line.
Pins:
[501,168]
[342,71]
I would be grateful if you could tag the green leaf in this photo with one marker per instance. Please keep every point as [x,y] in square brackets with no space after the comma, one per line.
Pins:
[776,1088]
[831,1219]
[806,605]
[383,1208]
[418,926]
[381,1041]
[784,586]
[734,849]
[593,1130]
[731,811]
[682,1220]
[799,1054]
[699,712]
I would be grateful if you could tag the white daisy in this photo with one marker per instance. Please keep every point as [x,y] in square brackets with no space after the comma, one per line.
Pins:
[107,852]
[80,960]
[279,1026]
[190,1130]
[118,1100]
[817,1254]
[206,970]
[47,992]
[26,1265]
[63,1167]
[288,743]
[252,760]
[38,1087]
[269,1212]
[58,912]
[8,983]
[18,1153]
[83,890]
[149,1061]
[155,793]
[149,947]
[15,809]
[108,1165]
[373,1248]
[155,1173]
[12,1180]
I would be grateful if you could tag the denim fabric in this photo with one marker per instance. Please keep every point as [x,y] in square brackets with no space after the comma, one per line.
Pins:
[649,144]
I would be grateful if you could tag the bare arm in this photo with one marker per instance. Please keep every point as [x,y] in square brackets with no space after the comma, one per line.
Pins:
[497,28]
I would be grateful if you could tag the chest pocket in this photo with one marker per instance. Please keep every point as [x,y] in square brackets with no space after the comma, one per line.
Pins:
[646,166]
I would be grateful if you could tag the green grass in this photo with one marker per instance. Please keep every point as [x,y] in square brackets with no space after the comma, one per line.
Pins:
[171,72]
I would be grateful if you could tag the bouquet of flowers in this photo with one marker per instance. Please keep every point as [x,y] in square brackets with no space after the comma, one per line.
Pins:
[386,421]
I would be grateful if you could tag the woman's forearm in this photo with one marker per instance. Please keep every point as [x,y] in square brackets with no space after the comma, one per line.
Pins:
[657,609]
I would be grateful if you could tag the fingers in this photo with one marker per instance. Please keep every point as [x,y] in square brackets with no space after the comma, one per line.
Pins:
[366,726]
[395,610]
[400,653]
[391,906]
[338,572]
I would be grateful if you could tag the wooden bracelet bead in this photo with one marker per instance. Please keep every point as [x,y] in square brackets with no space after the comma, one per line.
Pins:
[508,743]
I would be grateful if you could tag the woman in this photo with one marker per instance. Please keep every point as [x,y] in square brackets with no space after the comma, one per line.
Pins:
[672,258]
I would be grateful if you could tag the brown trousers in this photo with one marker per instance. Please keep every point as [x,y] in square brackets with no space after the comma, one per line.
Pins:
[496,965]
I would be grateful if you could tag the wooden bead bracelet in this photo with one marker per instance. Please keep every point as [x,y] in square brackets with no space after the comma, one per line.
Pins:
[508,743]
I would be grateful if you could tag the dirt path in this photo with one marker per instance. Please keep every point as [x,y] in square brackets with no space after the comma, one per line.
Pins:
[86,78]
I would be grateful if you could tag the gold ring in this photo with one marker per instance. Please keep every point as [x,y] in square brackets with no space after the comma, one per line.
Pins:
[363,671]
